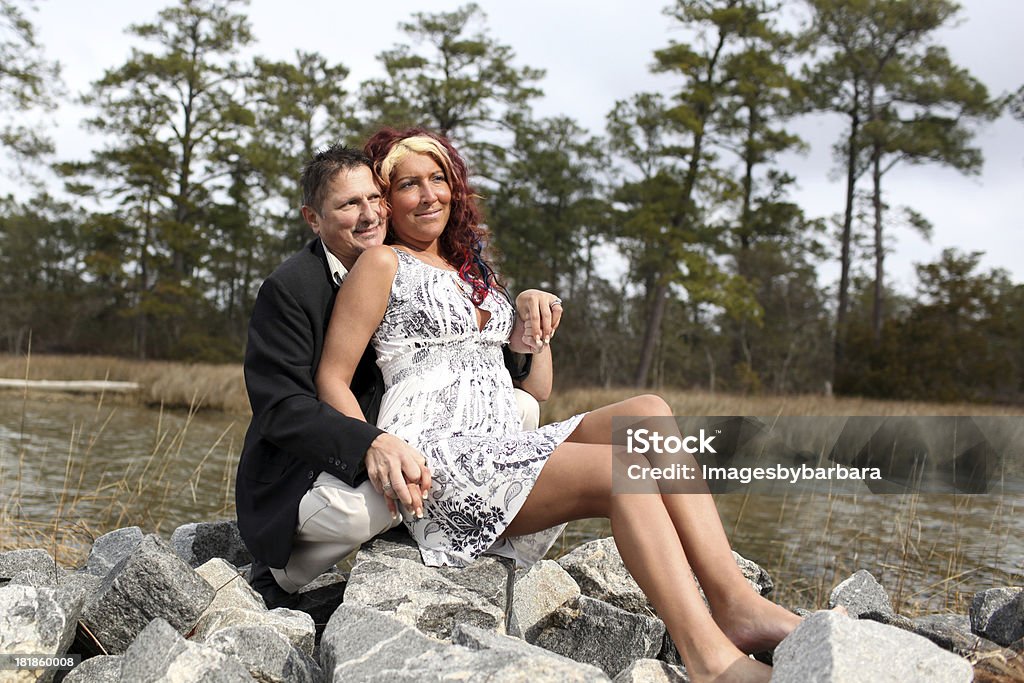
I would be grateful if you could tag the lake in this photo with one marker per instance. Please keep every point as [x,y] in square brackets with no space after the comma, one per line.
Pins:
[71,470]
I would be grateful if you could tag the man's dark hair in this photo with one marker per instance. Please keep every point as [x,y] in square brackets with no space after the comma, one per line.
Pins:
[318,172]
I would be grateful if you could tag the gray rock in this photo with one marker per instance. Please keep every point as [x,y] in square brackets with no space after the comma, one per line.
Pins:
[669,654]
[269,656]
[892,619]
[151,582]
[952,632]
[15,561]
[537,594]
[998,614]
[755,574]
[101,669]
[362,644]
[294,626]
[598,570]
[72,588]
[595,632]
[862,596]
[160,654]
[232,588]
[478,639]
[199,543]
[352,644]
[34,621]
[388,575]
[111,548]
[36,578]
[835,648]
[652,671]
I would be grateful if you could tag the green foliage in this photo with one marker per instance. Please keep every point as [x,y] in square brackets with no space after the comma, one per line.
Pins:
[458,80]
[42,262]
[544,212]
[958,340]
[904,101]
[1016,104]
[298,106]
[27,82]
[175,121]
[732,91]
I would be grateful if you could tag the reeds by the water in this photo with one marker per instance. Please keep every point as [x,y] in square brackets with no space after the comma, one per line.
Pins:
[201,386]
[563,404]
[190,386]
[88,506]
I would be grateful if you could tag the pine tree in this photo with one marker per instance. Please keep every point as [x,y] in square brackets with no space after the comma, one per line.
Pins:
[169,116]
[28,82]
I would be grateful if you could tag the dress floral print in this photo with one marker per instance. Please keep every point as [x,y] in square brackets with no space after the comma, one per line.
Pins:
[449,395]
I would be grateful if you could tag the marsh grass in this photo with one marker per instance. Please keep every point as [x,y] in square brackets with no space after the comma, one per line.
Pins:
[200,386]
[809,546]
[563,404]
[86,507]
[189,386]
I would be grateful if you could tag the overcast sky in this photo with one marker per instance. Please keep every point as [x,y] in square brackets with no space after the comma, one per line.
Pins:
[595,53]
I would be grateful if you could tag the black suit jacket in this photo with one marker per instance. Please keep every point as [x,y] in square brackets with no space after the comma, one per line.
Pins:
[294,436]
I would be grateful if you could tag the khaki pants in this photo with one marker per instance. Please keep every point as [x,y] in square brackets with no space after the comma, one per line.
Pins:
[335,519]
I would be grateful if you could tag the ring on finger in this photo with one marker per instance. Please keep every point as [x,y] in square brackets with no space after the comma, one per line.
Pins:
[386,486]
[555,302]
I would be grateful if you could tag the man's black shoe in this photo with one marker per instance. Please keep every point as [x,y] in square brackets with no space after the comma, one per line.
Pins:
[263,582]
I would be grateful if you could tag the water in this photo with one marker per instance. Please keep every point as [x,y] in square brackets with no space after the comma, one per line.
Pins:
[76,469]
[71,470]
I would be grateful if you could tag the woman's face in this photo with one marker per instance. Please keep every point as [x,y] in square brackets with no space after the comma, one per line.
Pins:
[420,199]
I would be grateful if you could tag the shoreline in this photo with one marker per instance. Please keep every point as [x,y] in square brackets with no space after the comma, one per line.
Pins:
[203,386]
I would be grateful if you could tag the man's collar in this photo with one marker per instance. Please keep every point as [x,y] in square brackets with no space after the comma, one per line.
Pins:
[338,269]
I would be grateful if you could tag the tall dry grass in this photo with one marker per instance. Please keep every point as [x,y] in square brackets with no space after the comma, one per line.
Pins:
[191,386]
[137,496]
[221,387]
[563,404]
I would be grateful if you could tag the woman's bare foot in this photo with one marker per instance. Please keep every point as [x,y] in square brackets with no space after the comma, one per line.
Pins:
[755,624]
[712,658]
[742,669]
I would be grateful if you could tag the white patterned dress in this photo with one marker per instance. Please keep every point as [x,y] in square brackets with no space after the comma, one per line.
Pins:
[449,395]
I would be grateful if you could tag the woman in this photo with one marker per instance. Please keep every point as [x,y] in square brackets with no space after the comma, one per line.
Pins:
[437,317]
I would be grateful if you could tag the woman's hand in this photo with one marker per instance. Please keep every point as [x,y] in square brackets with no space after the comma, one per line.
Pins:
[398,472]
[539,314]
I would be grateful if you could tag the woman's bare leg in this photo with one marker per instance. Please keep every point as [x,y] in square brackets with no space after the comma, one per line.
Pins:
[576,483]
[752,623]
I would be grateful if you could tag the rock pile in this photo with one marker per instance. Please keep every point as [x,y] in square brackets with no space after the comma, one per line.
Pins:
[143,609]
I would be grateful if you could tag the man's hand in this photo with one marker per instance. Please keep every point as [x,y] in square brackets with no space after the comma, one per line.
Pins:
[398,471]
[538,316]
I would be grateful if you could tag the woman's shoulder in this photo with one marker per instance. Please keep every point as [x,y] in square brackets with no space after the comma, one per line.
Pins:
[375,268]
[379,257]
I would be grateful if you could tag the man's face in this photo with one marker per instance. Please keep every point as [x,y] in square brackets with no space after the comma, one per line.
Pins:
[352,217]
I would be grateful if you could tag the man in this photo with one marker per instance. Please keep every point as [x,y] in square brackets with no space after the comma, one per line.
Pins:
[310,479]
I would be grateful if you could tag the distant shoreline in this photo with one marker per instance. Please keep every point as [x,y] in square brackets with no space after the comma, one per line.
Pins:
[205,386]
